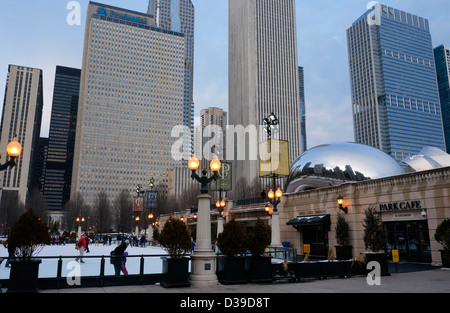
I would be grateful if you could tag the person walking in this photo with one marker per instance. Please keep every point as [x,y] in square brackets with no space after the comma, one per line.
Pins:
[117,255]
[81,247]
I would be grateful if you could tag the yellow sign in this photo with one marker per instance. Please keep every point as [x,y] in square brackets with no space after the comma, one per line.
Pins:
[274,157]
[395,256]
[306,248]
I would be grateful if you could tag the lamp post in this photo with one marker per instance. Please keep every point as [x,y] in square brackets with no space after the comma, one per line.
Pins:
[13,149]
[79,220]
[203,258]
[271,123]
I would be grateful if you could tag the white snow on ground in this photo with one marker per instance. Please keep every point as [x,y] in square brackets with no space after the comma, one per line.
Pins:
[91,267]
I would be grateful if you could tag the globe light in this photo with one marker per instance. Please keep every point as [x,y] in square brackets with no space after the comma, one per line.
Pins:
[271,194]
[340,200]
[222,203]
[215,165]
[14,148]
[193,163]
[278,193]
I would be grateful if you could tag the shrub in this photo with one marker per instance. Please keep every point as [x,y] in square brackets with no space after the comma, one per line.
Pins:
[259,238]
[232,240]
[442,234]
[28,235]
[342,231]
[175,238]
[374,234]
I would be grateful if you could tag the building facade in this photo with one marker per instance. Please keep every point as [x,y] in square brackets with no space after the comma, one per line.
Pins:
[131,97]
[61,141]
[411,206]
[179,16]
[263,77]
[442,58]
[21,118]
[393,82]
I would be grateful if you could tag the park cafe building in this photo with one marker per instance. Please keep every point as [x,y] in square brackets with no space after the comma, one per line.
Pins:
[411,206]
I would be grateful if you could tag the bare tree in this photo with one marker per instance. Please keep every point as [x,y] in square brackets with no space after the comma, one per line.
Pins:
[74,208]
[36,201]
[102,212]
[122,211]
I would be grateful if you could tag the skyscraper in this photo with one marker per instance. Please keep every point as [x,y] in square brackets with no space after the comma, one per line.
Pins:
[214,127]
[61,141]
[301,86]
[131,97]
[179,16]
[442,58]
[263,75]
[21,118]
[393,82]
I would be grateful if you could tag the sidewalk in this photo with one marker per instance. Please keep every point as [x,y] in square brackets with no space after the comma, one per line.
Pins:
[408,279]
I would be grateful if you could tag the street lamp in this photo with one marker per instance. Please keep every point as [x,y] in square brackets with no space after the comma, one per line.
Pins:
[271,123]
[13,149]
[203,258]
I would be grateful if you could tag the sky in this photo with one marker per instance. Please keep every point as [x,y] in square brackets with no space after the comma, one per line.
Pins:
[35,33]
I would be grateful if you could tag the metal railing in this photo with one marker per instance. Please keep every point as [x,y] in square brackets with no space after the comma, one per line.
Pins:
[57,272]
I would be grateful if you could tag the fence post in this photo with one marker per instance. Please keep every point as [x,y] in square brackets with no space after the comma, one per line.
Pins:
[59,272]
[141,269]
[102,270]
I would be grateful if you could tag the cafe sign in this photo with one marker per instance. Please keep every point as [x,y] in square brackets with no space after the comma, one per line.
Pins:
[400,206]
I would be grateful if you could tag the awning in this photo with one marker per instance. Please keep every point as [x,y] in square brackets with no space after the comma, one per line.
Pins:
[313,220]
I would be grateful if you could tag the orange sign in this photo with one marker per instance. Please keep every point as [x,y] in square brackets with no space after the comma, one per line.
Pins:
[138,204]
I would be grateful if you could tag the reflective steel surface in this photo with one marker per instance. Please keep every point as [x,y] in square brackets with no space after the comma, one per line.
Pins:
[333,164]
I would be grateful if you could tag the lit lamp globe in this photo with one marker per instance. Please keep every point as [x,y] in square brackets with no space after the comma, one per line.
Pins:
[193,163]
[271,194]
[278,193]
[215,165]
[14,148]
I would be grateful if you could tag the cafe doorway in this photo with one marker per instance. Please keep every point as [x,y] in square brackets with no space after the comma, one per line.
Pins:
[411,239]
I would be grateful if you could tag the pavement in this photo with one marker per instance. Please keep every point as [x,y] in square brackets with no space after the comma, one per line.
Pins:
[406,278]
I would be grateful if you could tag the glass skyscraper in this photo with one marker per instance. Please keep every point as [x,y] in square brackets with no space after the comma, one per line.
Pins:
[393,82]
[442,57]
[61,141]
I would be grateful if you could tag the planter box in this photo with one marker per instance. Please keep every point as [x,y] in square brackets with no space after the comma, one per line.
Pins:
[335,268]
[380,258]
[260,269]
[23,277]
[231,270]
[445,257]
[344,252]
[308,270]
[175,272]
[356,268]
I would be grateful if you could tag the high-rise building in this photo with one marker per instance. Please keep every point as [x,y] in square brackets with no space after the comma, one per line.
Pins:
[442,59]
[21,118]
[393,82]
[131,97]
[213,137]
[61,141]
[301,88]
[263,76]
[179,16]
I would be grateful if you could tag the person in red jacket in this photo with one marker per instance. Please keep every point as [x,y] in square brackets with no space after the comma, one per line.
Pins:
[82,246]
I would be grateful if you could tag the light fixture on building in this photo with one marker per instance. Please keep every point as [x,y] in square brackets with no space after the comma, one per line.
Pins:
[340,202]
